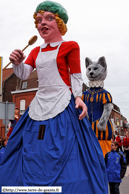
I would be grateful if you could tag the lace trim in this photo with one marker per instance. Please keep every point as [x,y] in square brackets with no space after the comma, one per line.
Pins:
[93,84]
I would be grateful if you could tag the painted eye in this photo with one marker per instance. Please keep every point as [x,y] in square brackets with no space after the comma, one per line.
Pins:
[38,20]
[95,68]
[51,18]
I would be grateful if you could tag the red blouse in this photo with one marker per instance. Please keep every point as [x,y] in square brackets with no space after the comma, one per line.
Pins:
[68,59]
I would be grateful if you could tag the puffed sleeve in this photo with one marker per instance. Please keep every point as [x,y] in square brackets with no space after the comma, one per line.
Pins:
[107,98]
[22,71]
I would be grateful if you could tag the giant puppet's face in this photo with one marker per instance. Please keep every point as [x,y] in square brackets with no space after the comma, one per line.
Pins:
[47,27]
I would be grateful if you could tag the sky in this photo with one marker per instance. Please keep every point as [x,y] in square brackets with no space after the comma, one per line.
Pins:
[100,27]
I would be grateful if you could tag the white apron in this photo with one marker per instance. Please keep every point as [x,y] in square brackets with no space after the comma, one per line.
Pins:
[53,95]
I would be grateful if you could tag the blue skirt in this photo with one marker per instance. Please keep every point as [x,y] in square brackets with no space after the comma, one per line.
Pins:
[69,155]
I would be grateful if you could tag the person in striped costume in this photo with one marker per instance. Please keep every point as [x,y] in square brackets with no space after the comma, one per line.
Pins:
[99,102]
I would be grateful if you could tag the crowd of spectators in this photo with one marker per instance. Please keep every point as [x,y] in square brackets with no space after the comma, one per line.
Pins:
[123,144]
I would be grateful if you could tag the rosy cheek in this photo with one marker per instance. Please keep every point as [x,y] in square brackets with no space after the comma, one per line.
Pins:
[38,28]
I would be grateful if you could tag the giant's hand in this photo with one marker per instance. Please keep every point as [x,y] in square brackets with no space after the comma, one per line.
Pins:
[16,57]
[81,105]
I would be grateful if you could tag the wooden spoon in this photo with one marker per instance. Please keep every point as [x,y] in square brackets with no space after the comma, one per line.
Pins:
[31,41]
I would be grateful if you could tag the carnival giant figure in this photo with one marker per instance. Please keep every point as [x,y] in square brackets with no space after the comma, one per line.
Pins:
[99,102]
[53,143]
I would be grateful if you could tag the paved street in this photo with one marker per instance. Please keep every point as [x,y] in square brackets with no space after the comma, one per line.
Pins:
[124,186]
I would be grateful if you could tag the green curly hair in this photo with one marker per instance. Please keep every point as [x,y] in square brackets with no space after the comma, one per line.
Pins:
[58,10]
[54,8]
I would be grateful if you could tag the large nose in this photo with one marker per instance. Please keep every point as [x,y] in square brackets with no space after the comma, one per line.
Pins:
[43,22]
[91,73]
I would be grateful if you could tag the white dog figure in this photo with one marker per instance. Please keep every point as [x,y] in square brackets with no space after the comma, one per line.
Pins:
[99,102]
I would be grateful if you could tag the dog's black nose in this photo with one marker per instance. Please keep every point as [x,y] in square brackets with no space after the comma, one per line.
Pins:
[91,73]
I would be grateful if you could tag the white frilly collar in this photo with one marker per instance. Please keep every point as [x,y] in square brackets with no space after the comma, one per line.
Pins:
[53,44]
[93,84]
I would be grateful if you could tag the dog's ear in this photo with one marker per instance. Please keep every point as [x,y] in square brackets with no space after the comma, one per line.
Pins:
[102,62]
[87,62]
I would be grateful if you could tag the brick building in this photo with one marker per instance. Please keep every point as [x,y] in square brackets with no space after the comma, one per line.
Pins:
[118,120]
[26,92]
[9,83]
[21,92]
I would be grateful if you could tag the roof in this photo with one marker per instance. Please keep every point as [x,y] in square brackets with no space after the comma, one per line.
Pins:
[6,73]
[33,75]
[116,107]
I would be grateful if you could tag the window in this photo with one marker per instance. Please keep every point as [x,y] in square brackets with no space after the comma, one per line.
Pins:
[24,85]
[22,107]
